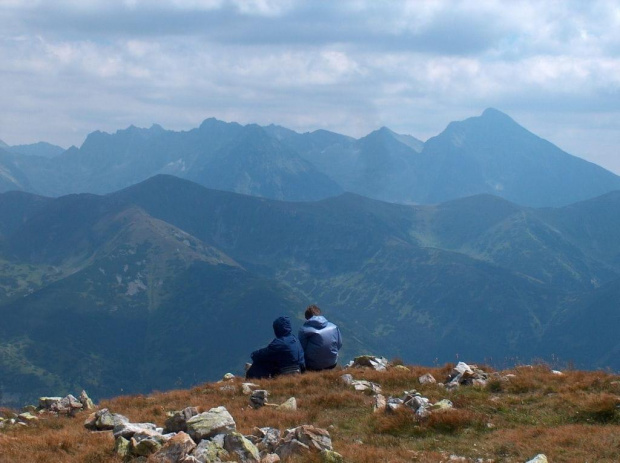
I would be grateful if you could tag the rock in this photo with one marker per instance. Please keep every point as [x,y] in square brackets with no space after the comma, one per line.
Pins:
[289,405]
[363,385]
[379,404]
[393,403]
[268,439]
[376,363]
[209,451]
[144,447]
[427,379]
[228,377]
[127,430]
[208,424]
[557,372]
[176,449]
[540,458]
[443,404]
[401,368]
[30,408]
[291,447]
[247,388]
[246,451]
[177,420]
[270,458]
[329,456]
[122,446]
[347,379]
[46,403]
[27,417]
[314,438]
[258,398]
[192,459]
[87,403]
[103,420]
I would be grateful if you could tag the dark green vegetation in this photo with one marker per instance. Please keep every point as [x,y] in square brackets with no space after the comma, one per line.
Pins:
[168,283]
[489,154]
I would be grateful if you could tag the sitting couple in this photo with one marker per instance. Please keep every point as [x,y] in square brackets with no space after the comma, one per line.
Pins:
[317,347]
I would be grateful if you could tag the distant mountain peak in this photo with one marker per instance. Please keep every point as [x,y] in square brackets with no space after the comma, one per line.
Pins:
[3,145]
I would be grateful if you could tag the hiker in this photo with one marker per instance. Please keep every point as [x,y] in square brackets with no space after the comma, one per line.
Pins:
[282,356]
[320,340]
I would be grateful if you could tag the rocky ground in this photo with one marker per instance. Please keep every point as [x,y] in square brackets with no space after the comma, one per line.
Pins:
[371,410]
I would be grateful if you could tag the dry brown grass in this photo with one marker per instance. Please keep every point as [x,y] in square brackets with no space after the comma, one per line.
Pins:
[571,418]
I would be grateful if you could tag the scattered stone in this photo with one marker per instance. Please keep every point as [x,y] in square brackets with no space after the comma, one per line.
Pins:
[443,404]
[540,458]
[465,375]
[45,403]
[363,385]
[246,451]
[30,408]
[228,377]
[291,447]
[376,363]
[176,449]
[177,420]
[258,398]
[427,379]
[315,438]
[379,404]
[208,424]
[347,379]
[144,447]
[289,405]
[247,388]
[557,372]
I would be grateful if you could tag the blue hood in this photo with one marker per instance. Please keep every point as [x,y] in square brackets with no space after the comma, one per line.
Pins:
[318,322]
[282,326]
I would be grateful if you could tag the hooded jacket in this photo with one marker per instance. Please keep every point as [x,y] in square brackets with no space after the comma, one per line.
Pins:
[321,342]
[281,353]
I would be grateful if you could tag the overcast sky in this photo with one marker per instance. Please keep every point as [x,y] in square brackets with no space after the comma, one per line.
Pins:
[70,67]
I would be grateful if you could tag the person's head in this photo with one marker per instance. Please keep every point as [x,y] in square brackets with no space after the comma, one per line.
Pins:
[282,326]
[312,311]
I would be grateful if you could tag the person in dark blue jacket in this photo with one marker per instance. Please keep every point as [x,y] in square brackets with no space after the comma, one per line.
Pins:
[283,355]
[320,340]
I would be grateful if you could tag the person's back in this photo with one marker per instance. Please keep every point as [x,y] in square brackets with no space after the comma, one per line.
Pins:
[320,340]
[283,355]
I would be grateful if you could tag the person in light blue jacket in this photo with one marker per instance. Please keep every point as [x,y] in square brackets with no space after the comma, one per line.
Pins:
[320,340]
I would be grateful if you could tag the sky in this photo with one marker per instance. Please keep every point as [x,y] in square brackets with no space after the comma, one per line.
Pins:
[70,67]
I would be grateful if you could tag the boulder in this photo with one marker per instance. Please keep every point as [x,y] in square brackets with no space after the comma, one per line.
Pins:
[267,439]
[347,379]
[363,385]
[127,430]
[45,403]
[443,404]
[209,451]
[228,377]
[122,446]
[247,388]
[27,417]
[103,420]
[87,403]
[245,450]
[175,450]
[144,447]
[315,438]
[290,448]
[270,458]
[177,420]
[208,424]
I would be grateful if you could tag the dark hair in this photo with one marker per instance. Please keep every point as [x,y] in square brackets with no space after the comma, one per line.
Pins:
[312,311]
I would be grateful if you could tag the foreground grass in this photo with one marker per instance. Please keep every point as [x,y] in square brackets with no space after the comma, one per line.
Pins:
[573,417]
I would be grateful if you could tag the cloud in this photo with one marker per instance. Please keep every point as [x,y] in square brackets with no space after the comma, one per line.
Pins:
[70,67]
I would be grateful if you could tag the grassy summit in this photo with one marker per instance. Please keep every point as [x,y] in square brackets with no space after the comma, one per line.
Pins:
[574,416]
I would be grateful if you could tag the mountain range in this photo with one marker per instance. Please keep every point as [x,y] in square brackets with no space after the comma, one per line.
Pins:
[488,154]
[128,292]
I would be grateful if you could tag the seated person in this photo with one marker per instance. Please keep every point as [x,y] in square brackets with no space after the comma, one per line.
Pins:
[320,340]
[283,355]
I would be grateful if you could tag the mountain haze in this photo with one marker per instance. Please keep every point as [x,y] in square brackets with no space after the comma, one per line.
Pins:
[122,278]
[488,154]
